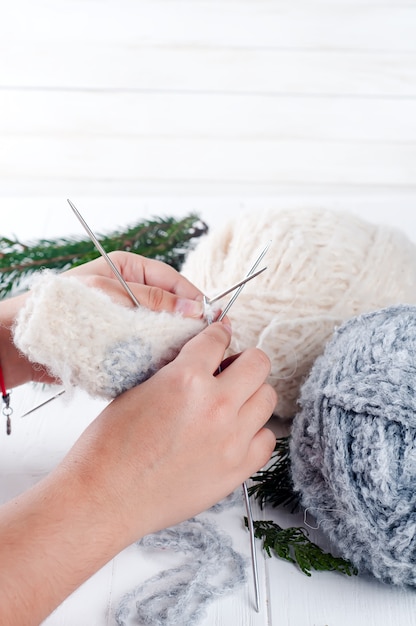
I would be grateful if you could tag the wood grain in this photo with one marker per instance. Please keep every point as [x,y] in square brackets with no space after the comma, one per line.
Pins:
[148,107]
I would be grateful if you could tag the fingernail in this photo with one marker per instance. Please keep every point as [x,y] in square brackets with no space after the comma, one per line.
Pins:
[189,308]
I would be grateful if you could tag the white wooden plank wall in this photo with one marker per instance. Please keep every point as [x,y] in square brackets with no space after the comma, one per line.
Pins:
[151,96]
[214,106]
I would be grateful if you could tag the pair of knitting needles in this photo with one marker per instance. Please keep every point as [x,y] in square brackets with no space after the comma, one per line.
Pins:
[237,287]
[207,301]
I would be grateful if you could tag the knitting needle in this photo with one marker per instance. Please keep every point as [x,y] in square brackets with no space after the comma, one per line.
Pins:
[230,289]
[206,301]
[113,269]
[250,524]
[104,254]
[249,274]
[245,490]
[39,406]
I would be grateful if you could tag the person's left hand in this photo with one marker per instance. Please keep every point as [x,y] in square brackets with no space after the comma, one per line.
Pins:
[156,285]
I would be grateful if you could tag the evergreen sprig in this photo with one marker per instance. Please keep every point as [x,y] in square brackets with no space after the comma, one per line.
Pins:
[274,485]
[166,239]
[293,545]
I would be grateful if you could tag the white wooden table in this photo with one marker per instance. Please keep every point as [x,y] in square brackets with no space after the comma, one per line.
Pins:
[134,108]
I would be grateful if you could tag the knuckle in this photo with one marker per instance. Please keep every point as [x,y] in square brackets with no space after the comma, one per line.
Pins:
[216,334]
[259,359]
[186,379]
[94,281]
[263,359]
[118,256]
[156,298]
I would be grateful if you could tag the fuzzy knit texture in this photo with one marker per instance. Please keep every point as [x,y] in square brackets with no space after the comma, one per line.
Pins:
[323,267]
[353,444]
[86,340]
[180,596]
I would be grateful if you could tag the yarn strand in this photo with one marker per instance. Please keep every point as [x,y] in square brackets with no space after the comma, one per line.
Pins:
[180,595]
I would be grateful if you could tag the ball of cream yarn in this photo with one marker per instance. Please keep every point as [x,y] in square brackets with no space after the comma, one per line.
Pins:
[323,267]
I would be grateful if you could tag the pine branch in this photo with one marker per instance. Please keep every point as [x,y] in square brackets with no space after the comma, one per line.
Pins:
[293,545]
[274,485]
[165,239]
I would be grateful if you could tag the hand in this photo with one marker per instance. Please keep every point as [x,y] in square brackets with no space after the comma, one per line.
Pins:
[172,447]
[158,454]
[156,285]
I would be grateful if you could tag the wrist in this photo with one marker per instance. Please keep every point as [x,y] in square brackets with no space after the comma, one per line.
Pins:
[54,537]
[16,368]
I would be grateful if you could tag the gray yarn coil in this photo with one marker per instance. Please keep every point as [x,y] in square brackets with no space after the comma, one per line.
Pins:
[353,444]
[179,596]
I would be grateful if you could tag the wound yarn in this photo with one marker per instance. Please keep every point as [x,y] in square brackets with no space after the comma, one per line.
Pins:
[179,596]
[353,443]
[87,340]
[323,267]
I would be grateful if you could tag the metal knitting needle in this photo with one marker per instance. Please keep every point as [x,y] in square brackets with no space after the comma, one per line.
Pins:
[39,406]
[115,272]
[230,289]
[104,254]
[250,273]
[250,525]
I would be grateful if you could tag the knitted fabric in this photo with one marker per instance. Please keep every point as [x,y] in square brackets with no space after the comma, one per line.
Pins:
[323,267]
[353,445]
[87,340]
[179,596]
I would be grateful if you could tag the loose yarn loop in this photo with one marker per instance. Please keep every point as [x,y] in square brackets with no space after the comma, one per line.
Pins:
[323,267]
[179,596]
[353,444]
[86,340]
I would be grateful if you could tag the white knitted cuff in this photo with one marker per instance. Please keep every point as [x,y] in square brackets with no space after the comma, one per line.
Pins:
[85,339]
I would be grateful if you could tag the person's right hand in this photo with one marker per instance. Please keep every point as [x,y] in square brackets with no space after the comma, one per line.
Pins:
[179,442]
[158,454]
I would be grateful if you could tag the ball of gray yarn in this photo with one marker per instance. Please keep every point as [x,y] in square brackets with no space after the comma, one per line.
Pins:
[353,444]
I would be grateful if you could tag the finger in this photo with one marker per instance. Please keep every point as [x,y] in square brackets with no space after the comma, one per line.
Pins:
[246,374]
[260,451]
[155,273]
[158,299]
[153,298]
[258,409]
[206,350]
[138,269]
[164,276]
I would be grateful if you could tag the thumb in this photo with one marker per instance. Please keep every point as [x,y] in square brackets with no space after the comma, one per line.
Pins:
[206,350]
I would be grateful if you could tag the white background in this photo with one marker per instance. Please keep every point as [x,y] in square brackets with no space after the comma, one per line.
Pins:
[134,108]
